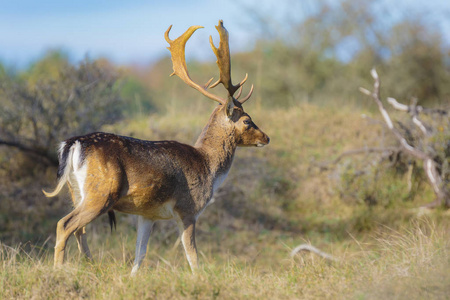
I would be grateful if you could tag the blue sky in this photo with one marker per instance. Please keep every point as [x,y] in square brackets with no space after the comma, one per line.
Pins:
[124,31]
[132,31]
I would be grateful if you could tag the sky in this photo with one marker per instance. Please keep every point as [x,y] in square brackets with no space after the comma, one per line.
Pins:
[132,32]
[124,31]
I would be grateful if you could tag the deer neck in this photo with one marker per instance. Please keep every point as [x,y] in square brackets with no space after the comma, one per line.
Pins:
[218,143]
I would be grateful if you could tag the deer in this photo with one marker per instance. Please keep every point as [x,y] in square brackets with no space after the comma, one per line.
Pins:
[156,180]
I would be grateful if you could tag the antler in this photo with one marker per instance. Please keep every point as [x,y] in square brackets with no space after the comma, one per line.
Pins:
[177,49]
[224,63]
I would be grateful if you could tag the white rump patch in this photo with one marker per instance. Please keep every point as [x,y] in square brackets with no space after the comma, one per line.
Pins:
[79,173]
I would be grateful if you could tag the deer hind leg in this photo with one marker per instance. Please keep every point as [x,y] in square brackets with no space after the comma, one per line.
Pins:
[80,234]
[71,223]
[187,231]
[75,221]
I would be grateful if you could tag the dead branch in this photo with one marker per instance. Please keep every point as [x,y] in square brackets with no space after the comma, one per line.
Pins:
[310,248]
[412,109]
[430,165]
[376,97]
[48,158]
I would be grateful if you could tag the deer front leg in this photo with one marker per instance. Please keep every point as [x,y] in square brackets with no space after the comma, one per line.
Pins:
[144,229]
[187,231]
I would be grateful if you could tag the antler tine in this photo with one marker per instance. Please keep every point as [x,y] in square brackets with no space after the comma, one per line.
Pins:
[177,51]
[248,96]
[239,93]
[208,83]
[223,61]
[240,87]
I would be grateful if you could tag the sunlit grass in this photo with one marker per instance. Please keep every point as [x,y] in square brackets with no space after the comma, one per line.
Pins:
[411,262]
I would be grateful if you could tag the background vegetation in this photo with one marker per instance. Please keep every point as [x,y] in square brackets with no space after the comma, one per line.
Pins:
[362,208]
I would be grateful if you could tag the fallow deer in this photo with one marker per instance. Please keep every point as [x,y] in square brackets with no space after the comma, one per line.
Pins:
[156,180]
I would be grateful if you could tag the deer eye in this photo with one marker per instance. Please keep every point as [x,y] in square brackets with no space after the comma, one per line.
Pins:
[247,122]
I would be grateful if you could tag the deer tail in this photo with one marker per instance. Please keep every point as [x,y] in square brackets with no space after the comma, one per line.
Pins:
[65,165]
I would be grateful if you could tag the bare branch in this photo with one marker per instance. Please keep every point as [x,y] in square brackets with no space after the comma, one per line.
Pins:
[413,110]
[431,166]
[376,97]
[52,160]
[311,248]
[364,91]
[420,125]
[397,105]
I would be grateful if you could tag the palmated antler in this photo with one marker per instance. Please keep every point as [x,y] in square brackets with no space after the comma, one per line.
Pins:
[177,50]
[224,63]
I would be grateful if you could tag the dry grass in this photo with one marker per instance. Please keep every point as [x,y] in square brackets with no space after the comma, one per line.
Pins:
[411,263]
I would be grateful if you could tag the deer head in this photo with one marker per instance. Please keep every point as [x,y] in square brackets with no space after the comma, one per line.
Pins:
[230,117]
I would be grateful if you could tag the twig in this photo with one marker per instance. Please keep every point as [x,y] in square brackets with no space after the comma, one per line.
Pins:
[412,109]
[310,248]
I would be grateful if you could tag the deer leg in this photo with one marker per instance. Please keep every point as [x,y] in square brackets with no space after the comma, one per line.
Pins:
[63,232]
[144,229]
[72,223]
[187,231]
[80,234]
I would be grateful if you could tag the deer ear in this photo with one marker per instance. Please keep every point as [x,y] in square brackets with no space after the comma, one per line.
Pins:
[230,106]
